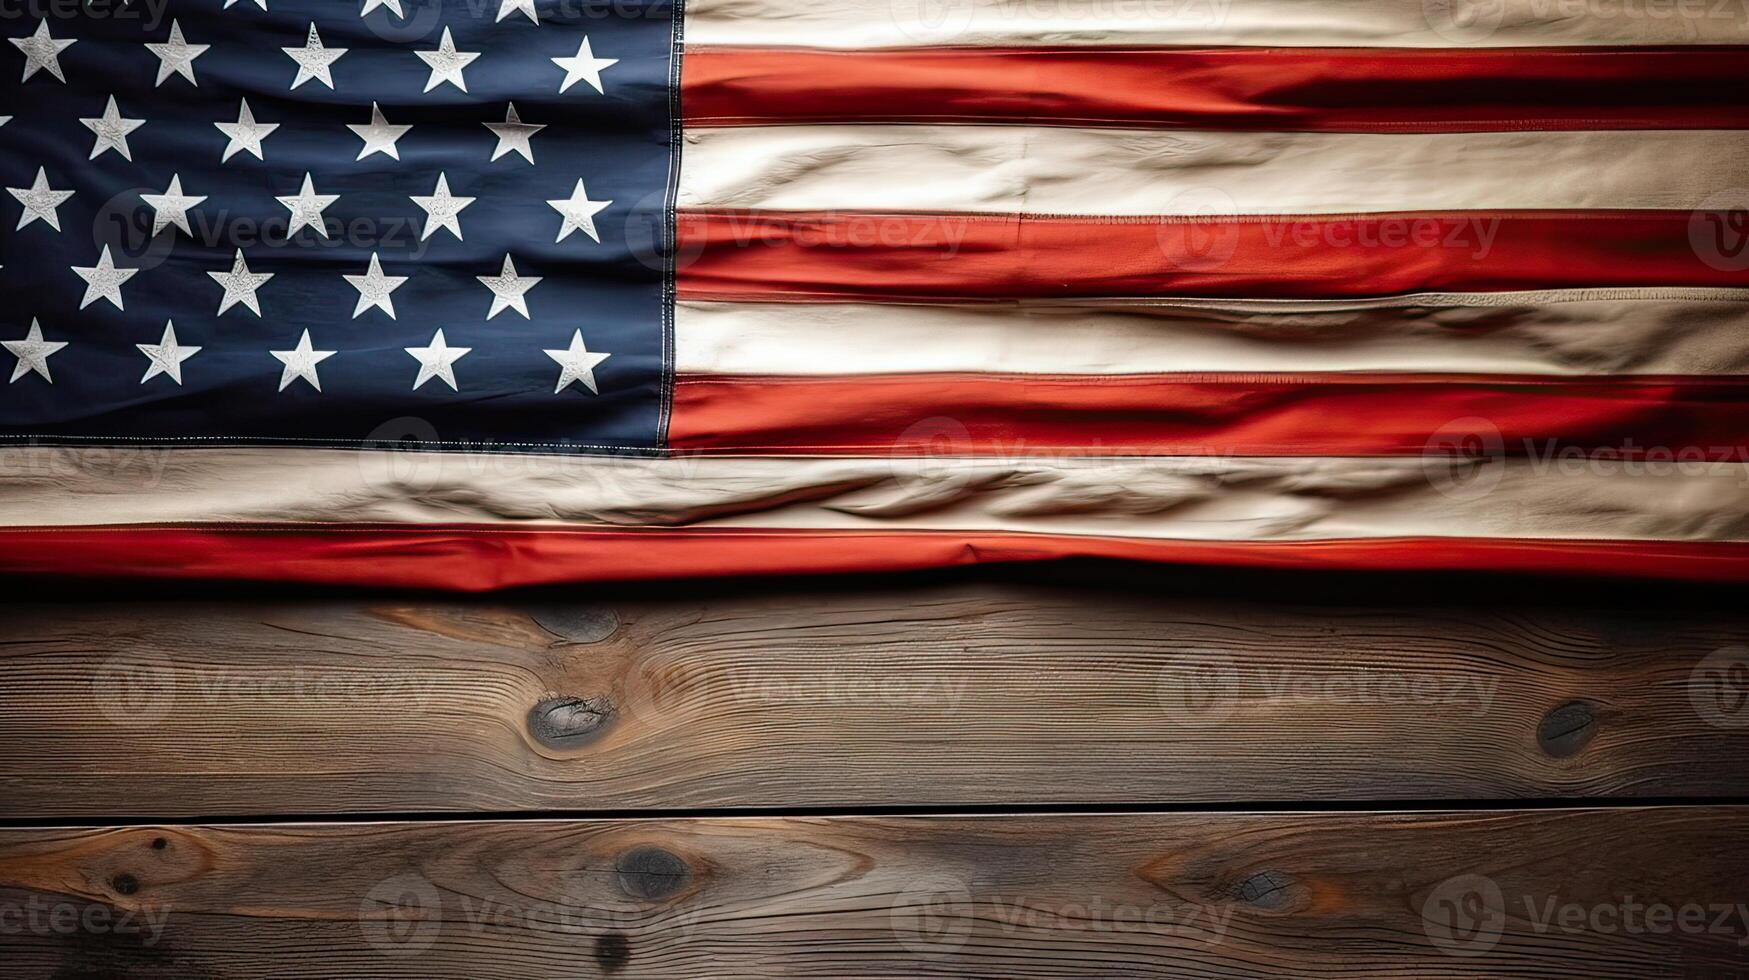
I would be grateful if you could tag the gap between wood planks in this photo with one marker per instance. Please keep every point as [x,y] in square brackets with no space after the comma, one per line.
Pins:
[919,811]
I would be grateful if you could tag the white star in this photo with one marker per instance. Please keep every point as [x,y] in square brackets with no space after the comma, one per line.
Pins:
[579,213]
[245,133]
[300,362]
[436,361]
[306,208]
[508,290]
[577,364]
[240,285]
[395,5]
[584,67]
[374,289]
[32,353]
[513,134]
[40,201]
[103,280]
[171,207]
[314,60]
[442,210]
[166,356]
[508,7]
[112,131]
[176,56]
[259,3]
[447,63]
[379,136]
[42,51]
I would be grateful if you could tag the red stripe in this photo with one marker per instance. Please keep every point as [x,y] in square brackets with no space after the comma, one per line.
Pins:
[476,559]
[1315,89]
[1270,415]
[850,256]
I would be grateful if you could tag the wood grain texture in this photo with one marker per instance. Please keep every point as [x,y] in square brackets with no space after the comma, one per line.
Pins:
[945,694]
[1184,896]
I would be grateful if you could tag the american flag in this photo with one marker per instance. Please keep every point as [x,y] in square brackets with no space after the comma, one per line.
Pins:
[478,293]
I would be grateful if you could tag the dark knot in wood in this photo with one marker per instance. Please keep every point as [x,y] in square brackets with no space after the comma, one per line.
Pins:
[1269,889]
[651,873]
[1567,730]
[612,950]
[568,722]
[577,624]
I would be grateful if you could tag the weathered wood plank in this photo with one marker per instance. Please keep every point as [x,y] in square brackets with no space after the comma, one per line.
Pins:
[980,692]
[1624,893]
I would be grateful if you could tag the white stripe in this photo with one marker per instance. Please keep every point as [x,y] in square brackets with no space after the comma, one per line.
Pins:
[1538,334]
[1269,23]
[1188,498]
[1046,170]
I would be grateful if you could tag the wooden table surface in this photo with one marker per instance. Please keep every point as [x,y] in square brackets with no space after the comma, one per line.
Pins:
[1070,770]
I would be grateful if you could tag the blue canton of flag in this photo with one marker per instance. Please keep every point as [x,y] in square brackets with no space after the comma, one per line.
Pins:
[324,223]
